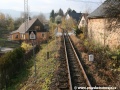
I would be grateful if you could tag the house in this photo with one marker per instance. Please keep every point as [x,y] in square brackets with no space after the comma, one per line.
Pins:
[83,21]
[33,24]
[74,15]
[99,29]
[58,19]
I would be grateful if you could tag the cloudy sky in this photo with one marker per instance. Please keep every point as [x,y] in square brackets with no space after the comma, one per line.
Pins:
[45,6]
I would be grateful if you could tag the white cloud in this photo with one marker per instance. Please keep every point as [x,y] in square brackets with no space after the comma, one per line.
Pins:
[46,5]
[46,1]
[11,1]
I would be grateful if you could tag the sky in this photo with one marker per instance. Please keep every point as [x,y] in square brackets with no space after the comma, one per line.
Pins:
[45,6]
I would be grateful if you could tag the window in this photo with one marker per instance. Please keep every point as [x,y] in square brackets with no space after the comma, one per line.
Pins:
[37,27]
[22,36]
[16,36]
[43,35]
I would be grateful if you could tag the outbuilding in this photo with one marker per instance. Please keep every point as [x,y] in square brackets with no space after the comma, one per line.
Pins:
[100,30]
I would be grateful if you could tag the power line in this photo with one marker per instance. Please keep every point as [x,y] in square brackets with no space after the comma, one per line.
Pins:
[85,1]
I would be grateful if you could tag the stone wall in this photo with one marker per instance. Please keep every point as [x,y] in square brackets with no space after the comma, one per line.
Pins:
[98,32]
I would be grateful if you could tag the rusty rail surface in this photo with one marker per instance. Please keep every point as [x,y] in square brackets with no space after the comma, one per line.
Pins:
[76,73]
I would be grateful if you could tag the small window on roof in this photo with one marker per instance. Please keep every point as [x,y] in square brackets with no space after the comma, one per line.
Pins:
[37,27]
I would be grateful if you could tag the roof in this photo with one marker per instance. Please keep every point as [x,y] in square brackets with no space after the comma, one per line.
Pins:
[101,10]
[46,27]
[21,29]
[74,15]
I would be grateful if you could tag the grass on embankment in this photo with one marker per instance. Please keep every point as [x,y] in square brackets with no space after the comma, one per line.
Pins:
[45,68]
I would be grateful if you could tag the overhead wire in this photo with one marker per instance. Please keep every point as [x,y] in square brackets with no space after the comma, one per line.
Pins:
[84,1]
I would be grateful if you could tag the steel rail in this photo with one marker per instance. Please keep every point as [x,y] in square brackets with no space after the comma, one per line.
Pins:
[78,60]
[66,56]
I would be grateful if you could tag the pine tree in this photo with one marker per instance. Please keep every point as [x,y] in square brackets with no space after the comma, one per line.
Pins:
[69,10]
[61,13]
[52,16]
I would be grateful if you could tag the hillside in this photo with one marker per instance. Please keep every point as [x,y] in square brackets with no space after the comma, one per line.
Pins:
[15,14]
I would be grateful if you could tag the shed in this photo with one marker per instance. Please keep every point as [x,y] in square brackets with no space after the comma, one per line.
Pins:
[98,26]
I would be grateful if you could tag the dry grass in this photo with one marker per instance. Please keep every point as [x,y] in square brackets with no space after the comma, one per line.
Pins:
[102,76]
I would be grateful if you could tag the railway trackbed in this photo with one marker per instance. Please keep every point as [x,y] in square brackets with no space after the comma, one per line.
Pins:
[70,74]
[76,74]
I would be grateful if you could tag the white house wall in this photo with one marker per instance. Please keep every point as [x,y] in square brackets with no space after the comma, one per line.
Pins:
[67,17]
[82,25]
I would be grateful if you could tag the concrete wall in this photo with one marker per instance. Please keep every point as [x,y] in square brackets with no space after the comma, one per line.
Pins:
[98,32]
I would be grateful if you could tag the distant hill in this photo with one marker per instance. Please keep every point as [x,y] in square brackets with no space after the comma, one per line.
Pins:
[16,14]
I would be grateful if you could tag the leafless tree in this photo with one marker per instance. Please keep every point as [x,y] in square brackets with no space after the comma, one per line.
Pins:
[41,17]
[113,13]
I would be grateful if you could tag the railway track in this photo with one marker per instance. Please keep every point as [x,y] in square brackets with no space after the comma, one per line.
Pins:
[76,74]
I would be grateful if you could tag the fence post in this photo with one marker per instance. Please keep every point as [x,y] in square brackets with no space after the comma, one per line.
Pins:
[34,57]
[0,81]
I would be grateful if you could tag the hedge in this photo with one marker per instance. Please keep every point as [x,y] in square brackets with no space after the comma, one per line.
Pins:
[10,64]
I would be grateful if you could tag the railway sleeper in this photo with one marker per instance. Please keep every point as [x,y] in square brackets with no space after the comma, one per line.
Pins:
[63,85]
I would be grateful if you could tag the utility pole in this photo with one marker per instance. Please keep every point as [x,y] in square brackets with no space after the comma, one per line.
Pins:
[26,16]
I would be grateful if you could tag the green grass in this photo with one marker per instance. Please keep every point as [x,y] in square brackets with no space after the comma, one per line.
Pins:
[45,67]
[45,70]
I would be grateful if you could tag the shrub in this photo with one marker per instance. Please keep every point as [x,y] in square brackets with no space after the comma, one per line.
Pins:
[82,36]
[115,56]
[26,46]
[77,31]
[10,63]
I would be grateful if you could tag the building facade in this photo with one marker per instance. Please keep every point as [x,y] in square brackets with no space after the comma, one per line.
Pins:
[83,21]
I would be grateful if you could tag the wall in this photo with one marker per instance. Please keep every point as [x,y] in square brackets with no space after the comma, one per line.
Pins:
[80,23]
[40,35]
[67,16]
[98,32]
[14,36]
